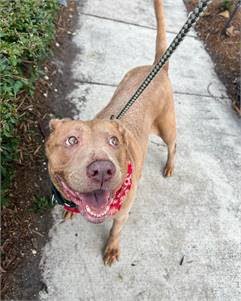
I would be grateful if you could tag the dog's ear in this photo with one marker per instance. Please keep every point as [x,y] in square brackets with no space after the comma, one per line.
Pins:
[130,143]
[46,127]
[54,123]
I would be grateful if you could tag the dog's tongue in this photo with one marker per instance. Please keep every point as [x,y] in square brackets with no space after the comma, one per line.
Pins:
[96,199]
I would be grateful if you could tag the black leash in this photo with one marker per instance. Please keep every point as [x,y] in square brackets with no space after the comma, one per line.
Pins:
[192,19]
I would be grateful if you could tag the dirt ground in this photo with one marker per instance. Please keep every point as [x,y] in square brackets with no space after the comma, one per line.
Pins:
[223,45]
[25,232]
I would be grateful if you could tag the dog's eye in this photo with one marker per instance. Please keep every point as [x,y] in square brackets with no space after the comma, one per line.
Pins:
[114,141]
[71,140]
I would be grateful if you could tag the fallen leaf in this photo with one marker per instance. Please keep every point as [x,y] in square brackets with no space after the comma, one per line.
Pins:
[230,31]
[224,14]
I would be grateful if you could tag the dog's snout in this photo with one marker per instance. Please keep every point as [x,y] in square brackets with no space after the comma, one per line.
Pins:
[101,170]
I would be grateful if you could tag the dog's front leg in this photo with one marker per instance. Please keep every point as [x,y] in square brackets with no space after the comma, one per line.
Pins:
[112,249]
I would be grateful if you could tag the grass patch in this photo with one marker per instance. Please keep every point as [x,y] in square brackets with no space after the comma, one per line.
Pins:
[27,28]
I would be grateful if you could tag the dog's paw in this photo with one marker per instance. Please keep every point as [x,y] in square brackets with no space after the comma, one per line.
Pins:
[168,171]
[111,254]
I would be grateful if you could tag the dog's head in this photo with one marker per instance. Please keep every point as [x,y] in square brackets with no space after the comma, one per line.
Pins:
[87,162]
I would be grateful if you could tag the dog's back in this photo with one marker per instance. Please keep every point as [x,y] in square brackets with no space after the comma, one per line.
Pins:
[149,103]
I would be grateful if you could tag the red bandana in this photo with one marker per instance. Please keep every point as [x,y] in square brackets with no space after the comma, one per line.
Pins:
[118,196]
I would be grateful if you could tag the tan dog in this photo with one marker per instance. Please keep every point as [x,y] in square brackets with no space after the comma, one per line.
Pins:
[88,160]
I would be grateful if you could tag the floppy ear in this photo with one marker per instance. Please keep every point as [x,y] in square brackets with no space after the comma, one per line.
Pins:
[133,149]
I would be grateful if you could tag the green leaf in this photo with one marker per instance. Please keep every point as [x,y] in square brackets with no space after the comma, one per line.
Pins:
[17,86]
[2,34]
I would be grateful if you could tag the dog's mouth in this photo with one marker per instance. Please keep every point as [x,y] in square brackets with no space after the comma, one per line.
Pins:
[95,206]
[99,204]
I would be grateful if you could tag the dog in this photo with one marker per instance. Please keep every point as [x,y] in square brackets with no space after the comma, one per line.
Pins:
[97,163]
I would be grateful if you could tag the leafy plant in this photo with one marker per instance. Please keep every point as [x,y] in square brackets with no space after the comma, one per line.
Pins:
[9,144]
[41,204]
[27,28]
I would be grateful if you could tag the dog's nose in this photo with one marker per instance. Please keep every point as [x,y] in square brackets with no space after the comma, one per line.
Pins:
[101,170]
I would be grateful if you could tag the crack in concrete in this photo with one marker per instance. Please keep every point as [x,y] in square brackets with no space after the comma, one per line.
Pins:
[95,83]
[131,23]
[201,95]
[175,92]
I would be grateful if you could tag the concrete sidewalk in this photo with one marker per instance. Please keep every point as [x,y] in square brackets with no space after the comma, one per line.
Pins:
[193,217]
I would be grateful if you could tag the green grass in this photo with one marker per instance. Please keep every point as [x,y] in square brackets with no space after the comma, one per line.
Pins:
[41,204]
[27,28]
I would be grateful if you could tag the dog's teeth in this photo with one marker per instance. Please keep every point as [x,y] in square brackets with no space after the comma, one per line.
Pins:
[97,214]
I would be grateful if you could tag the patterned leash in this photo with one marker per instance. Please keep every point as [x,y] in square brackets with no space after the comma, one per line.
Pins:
[192,19]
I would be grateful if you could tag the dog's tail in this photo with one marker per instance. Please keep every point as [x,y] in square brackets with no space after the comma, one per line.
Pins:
[161,38]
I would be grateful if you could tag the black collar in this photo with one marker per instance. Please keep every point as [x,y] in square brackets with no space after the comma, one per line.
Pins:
[58,199]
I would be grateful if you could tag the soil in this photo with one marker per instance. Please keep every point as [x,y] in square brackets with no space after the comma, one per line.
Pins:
[24,232]
[223,44]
